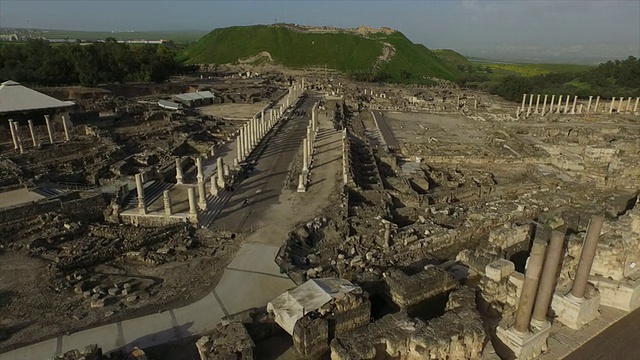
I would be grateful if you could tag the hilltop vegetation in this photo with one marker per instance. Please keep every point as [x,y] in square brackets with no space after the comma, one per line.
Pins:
[383,56]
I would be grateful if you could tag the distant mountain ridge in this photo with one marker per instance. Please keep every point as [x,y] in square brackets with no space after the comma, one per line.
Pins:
[380,54]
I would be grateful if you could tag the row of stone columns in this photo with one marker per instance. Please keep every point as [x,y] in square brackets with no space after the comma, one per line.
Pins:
[16,136]
[564,106]
[530,329]
[307,149]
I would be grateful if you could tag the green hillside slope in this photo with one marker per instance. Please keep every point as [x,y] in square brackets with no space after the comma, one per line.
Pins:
[451,57]
[346,52]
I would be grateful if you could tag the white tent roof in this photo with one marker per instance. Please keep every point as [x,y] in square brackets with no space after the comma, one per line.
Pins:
[291,305]
[170,105]
[198,95]
[15,97]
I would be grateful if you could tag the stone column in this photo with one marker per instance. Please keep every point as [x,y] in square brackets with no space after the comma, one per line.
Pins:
[46,119]
[200,175]
[537,103]
[263,129]
[586,257]
[305,156]
[544,104]
[559,104]
[589,104]
[524,99]
[553,99]
[202,196]
[635,107]
[13,135]
[302,186]
[167,203]
[142,205]
[66,130]
[566,105]
[575,101]
[179,175]
[580,109]
[236,164]
[310,144]
[548,278]
[597,104]
[33,133]
[620,106]
[193,211]
[613,100]
[214,187]
[239,146]
[226,170]
[628,107]
[16,129]
[530,103]
[220,172]
[529,287]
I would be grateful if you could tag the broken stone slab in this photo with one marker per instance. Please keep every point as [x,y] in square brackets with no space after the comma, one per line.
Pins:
[499,269]
[113,291]
[97,303]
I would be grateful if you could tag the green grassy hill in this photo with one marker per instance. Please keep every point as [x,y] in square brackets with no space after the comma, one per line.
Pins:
[452,58]
[346,52]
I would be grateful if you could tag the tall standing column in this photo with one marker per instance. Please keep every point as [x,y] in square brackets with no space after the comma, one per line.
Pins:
[213,189]
[575,101]
[620,106]
[530,103]
[553,99]
[589,104]
[263,129]
[13,135]
[635,107]
[66,130]
[566,105]
[16,129]
[537,104]
[305,156]
[239,146]
[529,287]
[167,203]
[33,133]
[544,104]
[142,205]
[524,99]
[193,211]
[548,277]
[586,257]
[179,174]
[597,104]
[48,122]
[202,196]
[559,104]
[200,175]
[628,107]
[220,172]
[613,100]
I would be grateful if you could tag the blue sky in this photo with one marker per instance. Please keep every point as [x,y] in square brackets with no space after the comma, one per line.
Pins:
[508,25]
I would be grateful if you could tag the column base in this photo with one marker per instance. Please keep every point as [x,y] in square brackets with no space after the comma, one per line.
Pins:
[620,294]
[302,183]
[525,346]
[573,312]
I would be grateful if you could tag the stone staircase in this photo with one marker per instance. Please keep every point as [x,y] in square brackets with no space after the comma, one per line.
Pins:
[152,190]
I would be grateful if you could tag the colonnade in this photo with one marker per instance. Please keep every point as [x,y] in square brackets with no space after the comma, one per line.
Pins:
[568,105]
[16,134]
[307,149]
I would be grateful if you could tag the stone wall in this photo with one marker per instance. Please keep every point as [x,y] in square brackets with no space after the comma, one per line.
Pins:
[230,341]
[406,291]
[458,334]
[311,336]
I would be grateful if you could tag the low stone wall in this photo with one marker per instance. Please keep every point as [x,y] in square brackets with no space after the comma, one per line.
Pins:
[407,291]
[311,336]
